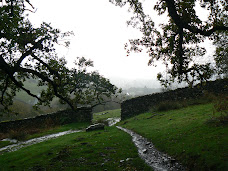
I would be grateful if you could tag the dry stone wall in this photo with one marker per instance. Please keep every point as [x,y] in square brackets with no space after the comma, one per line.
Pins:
[58,118]
[142,104]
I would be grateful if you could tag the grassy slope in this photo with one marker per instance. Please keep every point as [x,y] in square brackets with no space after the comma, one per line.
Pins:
[98,150]
[109,114]
[186,135]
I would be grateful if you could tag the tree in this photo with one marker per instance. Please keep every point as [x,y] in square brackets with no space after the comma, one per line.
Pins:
[221,54]
[28,52]
[178,41]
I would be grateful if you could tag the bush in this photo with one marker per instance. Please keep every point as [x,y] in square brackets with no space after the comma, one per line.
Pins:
[221,106]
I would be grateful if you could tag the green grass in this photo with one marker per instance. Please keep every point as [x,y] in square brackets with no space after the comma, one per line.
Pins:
[4,143]
[109,114]
[73,126]
[187,135]
[30,134]
[97,150]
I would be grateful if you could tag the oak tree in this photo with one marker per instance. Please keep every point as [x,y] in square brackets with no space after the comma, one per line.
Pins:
[27,52]
[177,42]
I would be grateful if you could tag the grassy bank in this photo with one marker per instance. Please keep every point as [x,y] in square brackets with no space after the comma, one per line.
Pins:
[23,135]
[103,116]
[110,149]
[187,134]
[192,135]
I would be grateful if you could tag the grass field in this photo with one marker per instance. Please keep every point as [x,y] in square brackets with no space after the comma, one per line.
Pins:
[110,149]
[187,134]
[190,134]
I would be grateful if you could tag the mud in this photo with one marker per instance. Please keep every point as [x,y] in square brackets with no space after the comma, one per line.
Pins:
[157,160]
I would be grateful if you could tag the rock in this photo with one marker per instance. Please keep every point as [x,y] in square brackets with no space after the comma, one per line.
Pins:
[99,126]
[148,143]
[144,151]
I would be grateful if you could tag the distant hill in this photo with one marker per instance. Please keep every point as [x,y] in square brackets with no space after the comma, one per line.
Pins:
[134,91]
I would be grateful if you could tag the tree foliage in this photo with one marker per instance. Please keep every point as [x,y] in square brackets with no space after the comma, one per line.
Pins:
[221,54]
[28,52]
[177,42]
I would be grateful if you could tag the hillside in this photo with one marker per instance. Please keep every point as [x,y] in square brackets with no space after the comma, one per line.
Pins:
[192,135]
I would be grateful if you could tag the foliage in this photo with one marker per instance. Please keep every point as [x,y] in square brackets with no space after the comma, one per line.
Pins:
[221,106]
[29,53]
[177,43]
[221,54]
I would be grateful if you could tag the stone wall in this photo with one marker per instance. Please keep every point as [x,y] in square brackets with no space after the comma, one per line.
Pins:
[58,118]
[142,104]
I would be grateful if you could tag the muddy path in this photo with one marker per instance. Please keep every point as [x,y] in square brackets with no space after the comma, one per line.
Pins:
[154,158]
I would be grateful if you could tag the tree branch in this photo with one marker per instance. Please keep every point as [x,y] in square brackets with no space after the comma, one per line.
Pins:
[46,65]
[5,88]
[44,78]
[29,52]
[11,70]
[182,24]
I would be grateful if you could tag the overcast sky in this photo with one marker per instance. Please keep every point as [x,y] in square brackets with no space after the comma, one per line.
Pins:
[100,34]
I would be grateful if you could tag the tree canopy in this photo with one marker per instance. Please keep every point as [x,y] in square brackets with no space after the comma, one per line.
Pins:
[28,52]
[177,42]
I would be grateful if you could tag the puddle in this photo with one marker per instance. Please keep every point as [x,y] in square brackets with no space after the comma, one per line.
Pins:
[154,158]
[113,121]
[19,145]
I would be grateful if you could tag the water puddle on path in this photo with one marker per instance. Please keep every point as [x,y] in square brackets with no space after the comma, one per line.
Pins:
[157,160]
[113,121]
[20,144]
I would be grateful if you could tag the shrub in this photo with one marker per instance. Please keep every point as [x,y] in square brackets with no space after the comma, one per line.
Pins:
[221,106]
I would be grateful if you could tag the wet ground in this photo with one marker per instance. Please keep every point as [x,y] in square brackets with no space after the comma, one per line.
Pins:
[20,144]
[113,121]
[157,160]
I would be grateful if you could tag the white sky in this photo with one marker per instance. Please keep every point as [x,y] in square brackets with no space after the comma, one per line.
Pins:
[100,34]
